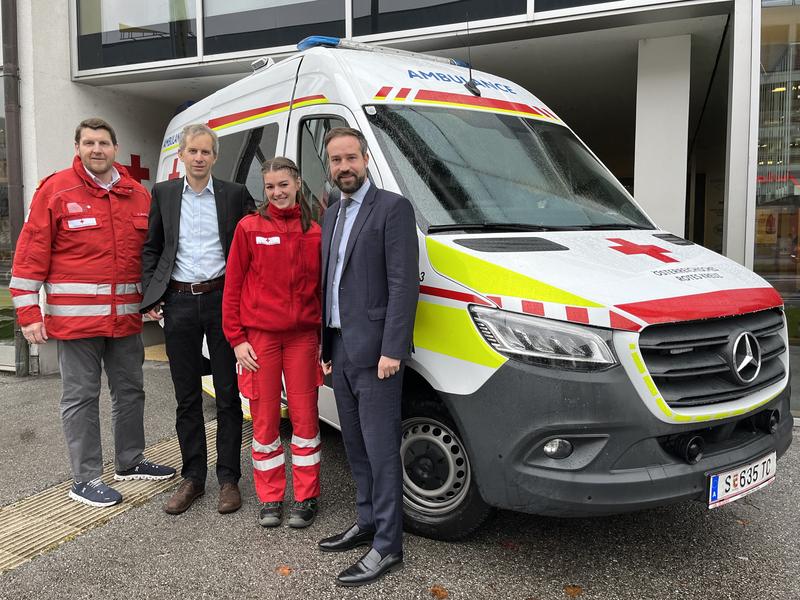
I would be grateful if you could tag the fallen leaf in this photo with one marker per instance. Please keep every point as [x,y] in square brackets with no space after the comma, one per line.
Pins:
[439,592]
[743,522]
[284,570]
[573,591]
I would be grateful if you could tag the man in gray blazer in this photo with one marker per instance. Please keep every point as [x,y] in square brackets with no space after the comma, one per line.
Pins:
[371,286]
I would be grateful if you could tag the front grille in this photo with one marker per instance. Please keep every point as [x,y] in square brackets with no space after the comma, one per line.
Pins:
[688,361]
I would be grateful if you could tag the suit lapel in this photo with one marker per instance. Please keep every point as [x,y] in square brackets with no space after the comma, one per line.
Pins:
[222,211]
[174,208]
[366,208]
[328,225]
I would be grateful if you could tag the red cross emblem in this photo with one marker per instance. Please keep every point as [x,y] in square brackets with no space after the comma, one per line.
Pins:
[136,170]
[629,248]
[174,174]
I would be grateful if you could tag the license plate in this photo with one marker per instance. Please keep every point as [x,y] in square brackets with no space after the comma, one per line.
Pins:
[736,483]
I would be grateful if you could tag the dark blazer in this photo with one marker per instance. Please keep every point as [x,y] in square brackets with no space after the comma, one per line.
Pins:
[158,254]
[379,287]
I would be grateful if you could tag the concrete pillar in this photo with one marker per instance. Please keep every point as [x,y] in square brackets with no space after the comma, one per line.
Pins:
[662,130]
[738,238]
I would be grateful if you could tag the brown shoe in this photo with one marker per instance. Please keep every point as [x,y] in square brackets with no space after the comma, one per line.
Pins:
[230,500]
[188,491]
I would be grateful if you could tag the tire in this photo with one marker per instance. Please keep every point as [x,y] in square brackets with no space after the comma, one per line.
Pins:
[440,497]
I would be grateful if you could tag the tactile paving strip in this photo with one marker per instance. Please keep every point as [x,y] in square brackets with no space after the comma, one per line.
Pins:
[44,521]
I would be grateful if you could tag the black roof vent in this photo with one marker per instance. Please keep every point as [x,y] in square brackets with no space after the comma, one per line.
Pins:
[510,244]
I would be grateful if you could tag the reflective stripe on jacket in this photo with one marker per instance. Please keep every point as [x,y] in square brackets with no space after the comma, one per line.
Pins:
[82,245]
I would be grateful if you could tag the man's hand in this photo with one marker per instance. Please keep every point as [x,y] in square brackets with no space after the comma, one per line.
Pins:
[246,356]
[35,333]
[156,312]
[327,367]
[387,367]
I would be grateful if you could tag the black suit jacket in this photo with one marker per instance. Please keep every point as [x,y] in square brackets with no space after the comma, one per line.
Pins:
[379,287]
[158,254]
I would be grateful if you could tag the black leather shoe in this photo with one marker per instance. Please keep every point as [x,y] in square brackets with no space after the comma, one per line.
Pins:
[347,540]
[371,567]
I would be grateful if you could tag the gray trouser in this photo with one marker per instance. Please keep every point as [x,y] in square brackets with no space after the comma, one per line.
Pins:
[80,363]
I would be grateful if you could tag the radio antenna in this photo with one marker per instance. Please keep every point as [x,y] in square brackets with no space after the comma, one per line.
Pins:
[471,86]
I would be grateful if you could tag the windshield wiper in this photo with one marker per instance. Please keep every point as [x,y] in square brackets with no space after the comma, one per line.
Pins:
[611,226]
[489,227]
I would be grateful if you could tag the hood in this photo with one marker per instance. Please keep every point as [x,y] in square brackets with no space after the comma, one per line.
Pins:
[620,279]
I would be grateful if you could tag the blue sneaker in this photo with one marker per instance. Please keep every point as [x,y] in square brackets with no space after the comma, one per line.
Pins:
[95,493]
[145,470]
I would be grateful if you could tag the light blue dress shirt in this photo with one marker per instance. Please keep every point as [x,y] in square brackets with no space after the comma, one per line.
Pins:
[350,215]
[200,256]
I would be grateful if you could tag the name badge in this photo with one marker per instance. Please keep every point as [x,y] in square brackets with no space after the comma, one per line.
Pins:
[267,241]
[78,223]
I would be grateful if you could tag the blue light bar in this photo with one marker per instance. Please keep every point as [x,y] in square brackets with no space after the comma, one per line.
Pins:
[313,41]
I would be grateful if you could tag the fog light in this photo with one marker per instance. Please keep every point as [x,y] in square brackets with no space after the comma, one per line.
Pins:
[690,448]
[558,448]
[768,420]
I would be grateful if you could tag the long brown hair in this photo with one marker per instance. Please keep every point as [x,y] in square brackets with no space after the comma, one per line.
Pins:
[281,163]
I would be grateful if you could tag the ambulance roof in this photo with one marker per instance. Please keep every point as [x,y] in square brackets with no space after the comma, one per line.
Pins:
[365,74]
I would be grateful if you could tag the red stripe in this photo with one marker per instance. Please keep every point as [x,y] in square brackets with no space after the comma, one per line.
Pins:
[620,322]
[473,101]
[452,295]
[577,314]
[497,300]
[533,308]
[383,92]
[219,121]
[402,94]
[704,306]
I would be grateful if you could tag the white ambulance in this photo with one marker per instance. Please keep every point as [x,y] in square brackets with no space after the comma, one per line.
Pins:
[570,357]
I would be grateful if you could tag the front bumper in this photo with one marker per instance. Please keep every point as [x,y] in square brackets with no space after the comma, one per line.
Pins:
[619,463]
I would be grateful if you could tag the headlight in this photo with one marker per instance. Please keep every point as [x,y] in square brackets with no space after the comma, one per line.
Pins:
[544,341]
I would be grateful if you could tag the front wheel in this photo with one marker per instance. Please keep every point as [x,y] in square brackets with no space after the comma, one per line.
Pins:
[440,497]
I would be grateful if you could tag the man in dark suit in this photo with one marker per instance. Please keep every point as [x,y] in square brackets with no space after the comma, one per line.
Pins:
[192,220]
[371,286]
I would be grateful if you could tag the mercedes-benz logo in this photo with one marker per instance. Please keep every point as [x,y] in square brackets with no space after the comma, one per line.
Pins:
[744,357]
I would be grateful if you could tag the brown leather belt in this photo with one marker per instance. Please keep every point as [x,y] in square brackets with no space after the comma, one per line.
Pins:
[196,289]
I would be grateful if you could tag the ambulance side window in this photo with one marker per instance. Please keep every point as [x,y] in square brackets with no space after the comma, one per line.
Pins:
[230,149]
[314,161]
[260,146]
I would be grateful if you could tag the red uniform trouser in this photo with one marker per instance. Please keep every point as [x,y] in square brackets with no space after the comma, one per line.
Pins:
[295,355]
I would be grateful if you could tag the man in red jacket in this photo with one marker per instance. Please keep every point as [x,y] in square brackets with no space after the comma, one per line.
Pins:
[82,243]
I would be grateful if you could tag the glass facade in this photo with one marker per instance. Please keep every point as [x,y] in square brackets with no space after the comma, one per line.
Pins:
[542,5]
[121,32]
[234,25]
[114,33]
[380,16]
[777,236]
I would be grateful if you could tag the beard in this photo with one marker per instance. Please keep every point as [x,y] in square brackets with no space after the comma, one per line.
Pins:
[349,188]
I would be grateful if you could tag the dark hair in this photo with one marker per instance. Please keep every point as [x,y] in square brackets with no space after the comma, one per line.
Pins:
[346,131]
[281,163]
[95,123]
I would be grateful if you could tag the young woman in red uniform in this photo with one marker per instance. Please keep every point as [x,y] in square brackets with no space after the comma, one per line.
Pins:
[271,314]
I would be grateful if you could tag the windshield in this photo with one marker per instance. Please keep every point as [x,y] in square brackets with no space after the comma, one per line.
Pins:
[487,170]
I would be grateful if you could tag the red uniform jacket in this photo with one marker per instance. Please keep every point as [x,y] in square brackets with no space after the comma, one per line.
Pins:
[84,245]
[272,281]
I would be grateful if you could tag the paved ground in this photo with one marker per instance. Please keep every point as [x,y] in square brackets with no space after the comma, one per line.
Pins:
[746,550]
